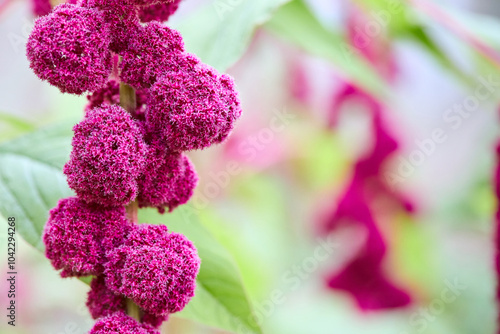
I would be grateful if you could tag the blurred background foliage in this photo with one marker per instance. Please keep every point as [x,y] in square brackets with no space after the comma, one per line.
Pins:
[289,58]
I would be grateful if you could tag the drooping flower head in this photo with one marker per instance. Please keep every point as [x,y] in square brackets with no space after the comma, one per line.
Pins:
[70,49]
[120,323]
[107,157]
[155,269]
[168,180]
[78,235]
[364,276]
[192,109]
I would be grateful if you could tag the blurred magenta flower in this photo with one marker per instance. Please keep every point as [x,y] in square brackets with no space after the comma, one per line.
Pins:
[364,277]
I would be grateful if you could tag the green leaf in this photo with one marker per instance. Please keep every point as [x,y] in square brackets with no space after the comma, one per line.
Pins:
[297,24]
[219,33]
[12,126]
[220,300]
[31,180]
[16,122]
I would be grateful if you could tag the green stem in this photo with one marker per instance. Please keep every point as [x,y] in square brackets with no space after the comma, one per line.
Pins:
[132,212]
[128,102]
[133,310]
[127,98]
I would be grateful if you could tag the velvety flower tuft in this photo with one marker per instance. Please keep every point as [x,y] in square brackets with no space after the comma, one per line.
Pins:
[70,49]
[229,96]
[122,19]
[103,302]
[192,109]
[78,235]
[120,323]
[168,180]
[107,157]
[159,12]
[152,320]
[155,269]
[154,50]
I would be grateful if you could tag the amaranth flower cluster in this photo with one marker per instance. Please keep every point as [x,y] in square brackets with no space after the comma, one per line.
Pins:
[149,101]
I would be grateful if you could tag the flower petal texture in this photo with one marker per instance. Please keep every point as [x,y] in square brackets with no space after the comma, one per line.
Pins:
[168,180]
[107,158]
[192,109]
[159,12]
[69,48]
[78,235]
[120,323]
[155,49]
[103,302]
[155,269]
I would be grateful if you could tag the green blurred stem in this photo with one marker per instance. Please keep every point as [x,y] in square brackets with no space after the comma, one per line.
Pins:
[128,102]
[127,97]
[133,310]
[132,210]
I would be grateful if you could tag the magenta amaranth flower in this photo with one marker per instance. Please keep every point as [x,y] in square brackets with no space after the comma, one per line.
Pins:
[154,50]
[364,277]
[152,320]
[70,49]
[159,12]
[121,16]
[110,94]
[366,282]
[41,7]
[107,157]
[103,302]
[229,96]
[168,180]
[78,235]
[192,109]
[155,269]
[120,323]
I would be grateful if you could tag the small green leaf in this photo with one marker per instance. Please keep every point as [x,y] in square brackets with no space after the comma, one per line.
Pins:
[220,300]
[219,33]
[297,24]
[31,181]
